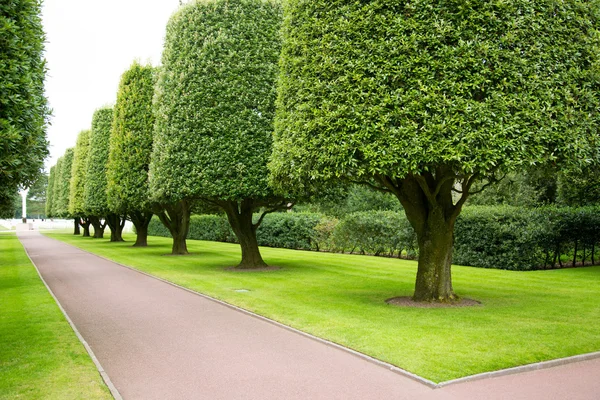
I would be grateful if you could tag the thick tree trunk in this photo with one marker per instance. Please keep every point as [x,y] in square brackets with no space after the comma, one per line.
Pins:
[434,278]
[116,223]
[76,230]
[176,217]
[141,221]
[98,227]
[431,210]
[86,227]
[240,219]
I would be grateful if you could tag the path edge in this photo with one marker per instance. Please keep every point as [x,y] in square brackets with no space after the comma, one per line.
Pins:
[111,387]
[433,385]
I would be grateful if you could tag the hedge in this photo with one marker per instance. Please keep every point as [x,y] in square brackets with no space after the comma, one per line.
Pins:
[485,236]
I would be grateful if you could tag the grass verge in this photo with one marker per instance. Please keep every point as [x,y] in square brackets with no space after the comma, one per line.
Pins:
[40,355]
[525,317]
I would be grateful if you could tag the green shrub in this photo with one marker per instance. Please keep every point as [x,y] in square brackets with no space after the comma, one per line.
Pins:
[288,230]
[375,232]
[498,237]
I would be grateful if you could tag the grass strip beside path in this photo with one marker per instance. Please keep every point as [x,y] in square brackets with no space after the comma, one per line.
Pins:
[40,355]
[526,317]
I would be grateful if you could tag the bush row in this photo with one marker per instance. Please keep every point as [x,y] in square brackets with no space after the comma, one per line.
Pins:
[488,237]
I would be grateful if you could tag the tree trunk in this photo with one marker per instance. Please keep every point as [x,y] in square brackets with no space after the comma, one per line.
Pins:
[116,224]
[76,230]
[240,219]
[434,279]
[176,217]
[98,227]
[141,221]
[86,227]
[431,210]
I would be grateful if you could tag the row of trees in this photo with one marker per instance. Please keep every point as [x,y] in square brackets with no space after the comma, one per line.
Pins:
[429,101]
[186,136]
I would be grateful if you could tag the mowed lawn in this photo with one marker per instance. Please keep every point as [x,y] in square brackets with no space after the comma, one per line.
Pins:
[525,317]
[40,356]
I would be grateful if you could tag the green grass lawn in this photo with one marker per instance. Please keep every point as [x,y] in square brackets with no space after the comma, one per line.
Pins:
[40,356]
[525,317]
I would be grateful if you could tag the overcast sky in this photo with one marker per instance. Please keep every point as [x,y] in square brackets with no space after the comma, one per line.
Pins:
[89,44]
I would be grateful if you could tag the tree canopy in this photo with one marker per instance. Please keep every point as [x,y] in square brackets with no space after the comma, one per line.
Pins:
[23,107]
[423,99]
[78,174]
[131,141]
[50,192]
[62,183]
[95,200]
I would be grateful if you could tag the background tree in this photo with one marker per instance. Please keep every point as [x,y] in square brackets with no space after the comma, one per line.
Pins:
[23,107]
[78,179]
[62,184]
[36,197]
[579,187]
[130,149]
[50,192]
[8,203]
[220,60]
[420,99]
[95,199]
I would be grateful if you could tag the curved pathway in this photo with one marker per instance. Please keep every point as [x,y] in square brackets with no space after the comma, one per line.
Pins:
[157,341]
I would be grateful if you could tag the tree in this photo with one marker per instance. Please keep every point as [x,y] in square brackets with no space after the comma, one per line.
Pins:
[62,184]
[215,109]
[78,179]
[23,107]
[50,192]
[130,149]
[423,99]
[95,198]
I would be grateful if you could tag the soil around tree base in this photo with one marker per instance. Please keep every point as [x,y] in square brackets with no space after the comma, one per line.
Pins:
[262,269]
[406,301]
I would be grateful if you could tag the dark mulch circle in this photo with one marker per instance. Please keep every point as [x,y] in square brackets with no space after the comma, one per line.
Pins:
[407,301]
[264,269]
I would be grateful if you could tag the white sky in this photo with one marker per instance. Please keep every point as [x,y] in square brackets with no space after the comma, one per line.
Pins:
[89,44]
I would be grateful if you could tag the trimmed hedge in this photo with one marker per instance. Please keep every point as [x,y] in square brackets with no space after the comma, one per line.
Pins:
[526,239]
[485,236]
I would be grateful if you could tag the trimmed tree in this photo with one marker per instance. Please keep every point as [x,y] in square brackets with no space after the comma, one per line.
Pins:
[424,99]
[95,198]
[23,107]
[50,192]
[62,184]
[215,110]
[130,149]
[78,179]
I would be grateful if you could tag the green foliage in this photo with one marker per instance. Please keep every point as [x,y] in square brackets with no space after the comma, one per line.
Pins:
[580,187]
[530,187]
[95,201]
[525,239]
[288,230]
[375,232]
[50,190]
[346,199]
[8,201]
[23,107]
[78,173]
[62,185]
[131,141]
[393,88]
[215,101]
